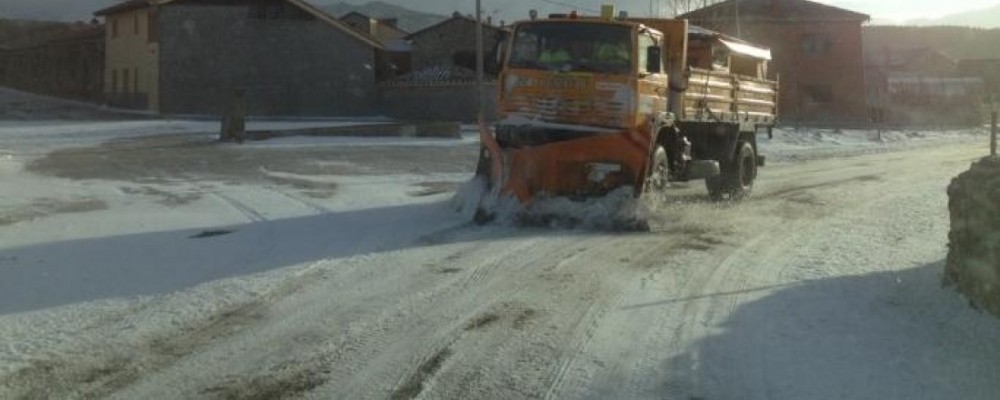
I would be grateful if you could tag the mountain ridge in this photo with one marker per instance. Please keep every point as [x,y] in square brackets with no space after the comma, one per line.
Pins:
[984,18]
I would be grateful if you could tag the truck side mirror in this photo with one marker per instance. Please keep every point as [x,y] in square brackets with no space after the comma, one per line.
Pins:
[653,59]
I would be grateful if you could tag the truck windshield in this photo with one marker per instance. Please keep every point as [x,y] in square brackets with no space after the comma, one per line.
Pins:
[566,47]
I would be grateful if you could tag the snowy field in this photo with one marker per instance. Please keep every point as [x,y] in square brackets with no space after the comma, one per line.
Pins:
[139,259]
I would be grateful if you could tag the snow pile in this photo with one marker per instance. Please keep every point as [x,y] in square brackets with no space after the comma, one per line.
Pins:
[974,256]
[790,144]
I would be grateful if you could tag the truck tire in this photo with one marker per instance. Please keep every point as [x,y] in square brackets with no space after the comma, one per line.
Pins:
[659,172]
[736,181]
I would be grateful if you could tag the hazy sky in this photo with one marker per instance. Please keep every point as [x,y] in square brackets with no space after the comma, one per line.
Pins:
[880,10]
[900,10]
[890,10]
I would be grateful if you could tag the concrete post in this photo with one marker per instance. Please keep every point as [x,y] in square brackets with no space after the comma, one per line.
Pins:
[234,123]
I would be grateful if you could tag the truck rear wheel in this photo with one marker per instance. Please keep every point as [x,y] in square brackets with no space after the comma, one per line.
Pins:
[738,175]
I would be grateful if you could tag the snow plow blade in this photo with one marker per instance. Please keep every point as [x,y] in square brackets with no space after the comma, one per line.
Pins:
[578,169]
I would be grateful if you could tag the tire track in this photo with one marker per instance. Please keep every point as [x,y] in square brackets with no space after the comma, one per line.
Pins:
[318,208]
[248,212]
[760,258]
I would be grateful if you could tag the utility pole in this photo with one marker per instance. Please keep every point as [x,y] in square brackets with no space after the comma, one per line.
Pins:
[739,29]
[480,67]
[993,128]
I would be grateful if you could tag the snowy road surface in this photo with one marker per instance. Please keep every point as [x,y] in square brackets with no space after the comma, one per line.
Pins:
[170,270]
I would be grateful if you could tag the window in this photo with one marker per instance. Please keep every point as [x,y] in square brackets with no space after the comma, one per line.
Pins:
[818,94]
[114,27]
[125,81]
[720,58]
[114,81]
[152,32]
[135,82]
[555,46]
[815,45]
[135,22]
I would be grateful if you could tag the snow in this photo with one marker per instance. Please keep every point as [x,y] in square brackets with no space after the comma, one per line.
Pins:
[76,268]
[825,285]
[790,144]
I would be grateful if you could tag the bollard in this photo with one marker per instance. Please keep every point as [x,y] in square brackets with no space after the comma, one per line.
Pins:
[234,123]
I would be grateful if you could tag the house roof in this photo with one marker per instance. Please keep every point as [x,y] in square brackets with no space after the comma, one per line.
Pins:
[302,4]
[802,10]
[735,45]
[377,20]
[454,18]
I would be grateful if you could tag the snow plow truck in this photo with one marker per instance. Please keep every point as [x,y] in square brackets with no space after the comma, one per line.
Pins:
[589,105]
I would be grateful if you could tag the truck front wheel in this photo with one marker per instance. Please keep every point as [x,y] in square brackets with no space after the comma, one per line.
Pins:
[738,175]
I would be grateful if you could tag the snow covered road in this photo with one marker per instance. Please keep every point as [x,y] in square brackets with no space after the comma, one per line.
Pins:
[825,285]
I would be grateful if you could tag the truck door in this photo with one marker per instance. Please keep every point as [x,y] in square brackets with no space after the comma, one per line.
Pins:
[653,83]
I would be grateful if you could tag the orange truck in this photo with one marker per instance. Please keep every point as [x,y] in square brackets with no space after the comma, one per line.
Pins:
[588,105]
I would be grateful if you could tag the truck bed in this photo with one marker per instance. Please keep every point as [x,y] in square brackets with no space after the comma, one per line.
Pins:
[723,97]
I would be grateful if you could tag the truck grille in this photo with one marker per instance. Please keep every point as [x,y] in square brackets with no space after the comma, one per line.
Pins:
[593,112]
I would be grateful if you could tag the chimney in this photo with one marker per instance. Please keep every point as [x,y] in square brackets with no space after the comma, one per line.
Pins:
[489,21]
[456,14]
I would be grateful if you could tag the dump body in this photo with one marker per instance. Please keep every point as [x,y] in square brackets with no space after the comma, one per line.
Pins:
[585,103]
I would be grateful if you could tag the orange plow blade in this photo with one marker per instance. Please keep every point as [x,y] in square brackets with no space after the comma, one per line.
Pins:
[585,167]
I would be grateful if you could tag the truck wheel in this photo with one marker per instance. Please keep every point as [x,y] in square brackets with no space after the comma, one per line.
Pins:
[659,174]
[736,180]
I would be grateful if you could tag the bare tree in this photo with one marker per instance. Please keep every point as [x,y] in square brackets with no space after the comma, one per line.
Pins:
[678,7]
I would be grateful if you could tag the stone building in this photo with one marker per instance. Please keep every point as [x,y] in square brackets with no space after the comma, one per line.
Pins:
[451,42]
[190,56]
[383,30]
[920,87]
[986,69]
[397,54]
[67,65]
[817,52]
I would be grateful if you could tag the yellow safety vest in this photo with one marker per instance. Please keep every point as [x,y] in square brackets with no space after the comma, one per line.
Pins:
[557,56]
[608,52]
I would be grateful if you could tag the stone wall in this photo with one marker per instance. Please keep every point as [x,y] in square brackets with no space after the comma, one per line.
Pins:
[436,102]
[974,249]
[293,64]
[68,67]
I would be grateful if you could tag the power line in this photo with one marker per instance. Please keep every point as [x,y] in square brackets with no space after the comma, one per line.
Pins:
[566,4]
